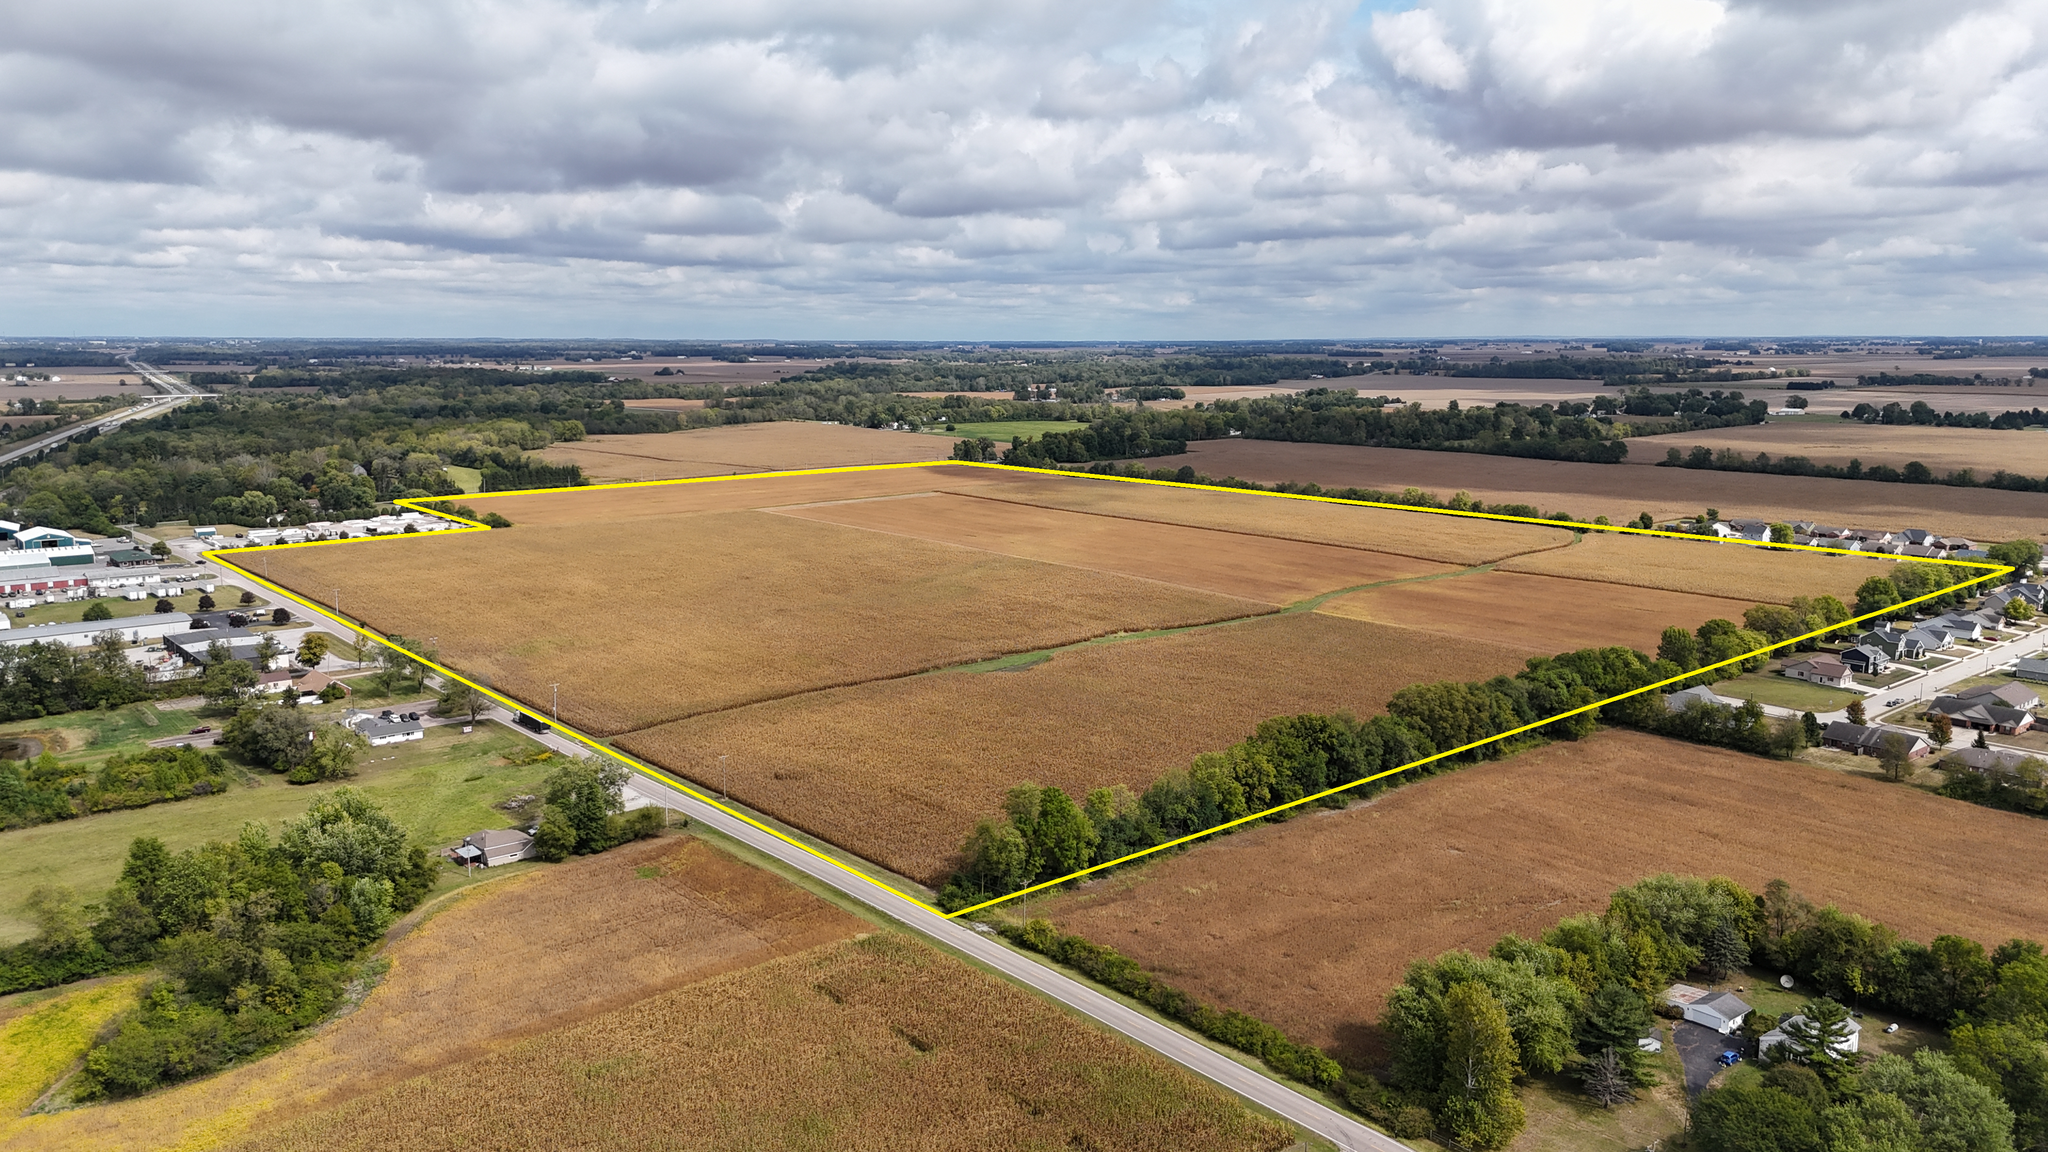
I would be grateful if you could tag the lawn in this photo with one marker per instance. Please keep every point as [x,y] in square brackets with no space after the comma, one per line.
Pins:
[1001,431]
[1771,688]
[471,479]
[93,735]
[1561,1119]
[440,788]
[183,597]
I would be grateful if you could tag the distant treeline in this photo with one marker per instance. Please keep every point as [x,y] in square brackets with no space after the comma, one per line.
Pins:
[1078,377]
[1729,460]
[51,356]
[1326,416]
[1923,414]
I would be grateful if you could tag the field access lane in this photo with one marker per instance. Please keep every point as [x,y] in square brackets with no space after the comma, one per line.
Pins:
[1331,1125]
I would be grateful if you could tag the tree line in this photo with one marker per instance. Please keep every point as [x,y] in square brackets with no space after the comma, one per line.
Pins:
[1923,414]
[1082,376]
[1914,472]
[43,790]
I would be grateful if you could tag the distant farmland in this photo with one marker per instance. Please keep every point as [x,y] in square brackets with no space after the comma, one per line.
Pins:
[1309,923]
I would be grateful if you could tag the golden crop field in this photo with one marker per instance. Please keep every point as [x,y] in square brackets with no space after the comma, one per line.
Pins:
[1231,564]
[731,448]
[1308,924]
[507,959]
[1558,615]
[1620,492]
[899,771]
[1735,571]
[1944,450]
[1448,539]
[653,620]
[631,507]
[876,1043]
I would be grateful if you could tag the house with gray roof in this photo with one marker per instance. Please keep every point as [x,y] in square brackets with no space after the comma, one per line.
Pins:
[1866,659]
[2032,668]
[1724,1012]
[1983,714]
[1868,739]
[1679,701]
[1995,761]
[1821,669]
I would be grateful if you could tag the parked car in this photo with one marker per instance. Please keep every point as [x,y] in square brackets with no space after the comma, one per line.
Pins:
[201,730]
[1729,1058]
[1891,1028]
[1895,701]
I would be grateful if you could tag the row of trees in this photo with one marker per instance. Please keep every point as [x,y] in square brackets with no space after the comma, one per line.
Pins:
[1914,472]
[45,678]
[44,789]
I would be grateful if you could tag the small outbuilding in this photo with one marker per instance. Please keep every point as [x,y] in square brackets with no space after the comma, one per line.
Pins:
[1724,1012]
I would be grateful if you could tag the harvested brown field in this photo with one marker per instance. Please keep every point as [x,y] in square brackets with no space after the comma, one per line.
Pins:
[1309,923]
[1449,539]
[735,448]
[509,959]
[1619,492]
[1737,571]
[1540,615]
[898,772]
[1231,564]
[661,618]
[1839,441]
[627,506]
[878,1043]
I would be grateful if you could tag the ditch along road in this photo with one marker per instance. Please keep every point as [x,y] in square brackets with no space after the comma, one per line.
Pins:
[176,392]
[1190,1053]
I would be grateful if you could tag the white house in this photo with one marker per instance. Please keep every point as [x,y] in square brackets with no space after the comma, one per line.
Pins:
[386,728]
[1822,669]
[1724,1012]
[1846,1046]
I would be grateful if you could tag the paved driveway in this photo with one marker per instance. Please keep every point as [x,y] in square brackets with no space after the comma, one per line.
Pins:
[1699,1047]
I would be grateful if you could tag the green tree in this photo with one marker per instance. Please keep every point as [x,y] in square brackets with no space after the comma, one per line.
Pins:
[1479,1106]
[1724,951]
[205,602]
[459,699]
[1063,835]
[1679,647]
[1952,1111]
[586,793]
[1818,1039]
[1876,595]
[1781,533]
[313,647]
[2022,555]
[2018,611]
[1616,1016]
[1755,1119]
[331,755]
[998,858]
[1894,758]
[247,598]
[164,607]
[1856,713]
[1941,731]
[159,549]
[268,735]
[98,610]
[555,839]
[1646,521]
[1811,725]
[1775,621]
[227,681]
[2012,1060]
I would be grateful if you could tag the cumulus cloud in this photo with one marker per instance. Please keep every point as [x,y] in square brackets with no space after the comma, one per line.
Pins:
[1045,167]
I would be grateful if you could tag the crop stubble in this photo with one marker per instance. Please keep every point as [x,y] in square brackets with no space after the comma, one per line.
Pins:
[1310,923]
[661,619]
[1549,615]
[874,1043]
[517,957]
[899,771]
[1705,568]
[1272,570]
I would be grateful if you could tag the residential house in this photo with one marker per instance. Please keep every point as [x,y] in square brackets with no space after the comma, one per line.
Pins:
[1996,761]
[2032,668]
[1721,1011]
[1868,739]
[1897,645]
[1821,669]
[1981,714]
[1866,659]
[1677,701]
[386,727]
[312,684]
[2008,695]
[1846,1046]
[496,846]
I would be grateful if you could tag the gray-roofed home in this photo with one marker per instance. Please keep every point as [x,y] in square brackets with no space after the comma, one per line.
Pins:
[1721,1011]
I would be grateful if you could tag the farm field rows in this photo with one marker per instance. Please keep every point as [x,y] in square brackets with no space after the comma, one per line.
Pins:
[898,771]
[1619,493]
[515,957]
[1560,615]
[1705,568]
[1309,923]
[556,1008]
[1256,568]
[732,448]
[672,618]
[1838,441]
[872,1043]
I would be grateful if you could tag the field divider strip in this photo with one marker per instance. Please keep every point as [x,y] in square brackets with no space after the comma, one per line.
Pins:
[1989,570]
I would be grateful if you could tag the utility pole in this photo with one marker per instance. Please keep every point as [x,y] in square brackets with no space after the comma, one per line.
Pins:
[558,702]
[721,778]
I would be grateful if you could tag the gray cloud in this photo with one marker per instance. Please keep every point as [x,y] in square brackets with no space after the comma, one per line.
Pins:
[940,168]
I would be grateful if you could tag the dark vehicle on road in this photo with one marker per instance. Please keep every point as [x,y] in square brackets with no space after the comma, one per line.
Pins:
[532,723]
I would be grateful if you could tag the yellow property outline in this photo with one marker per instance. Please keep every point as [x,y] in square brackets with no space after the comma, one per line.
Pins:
[1991,571]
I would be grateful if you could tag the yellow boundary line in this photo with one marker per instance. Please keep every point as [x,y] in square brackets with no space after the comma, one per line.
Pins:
[1991,571]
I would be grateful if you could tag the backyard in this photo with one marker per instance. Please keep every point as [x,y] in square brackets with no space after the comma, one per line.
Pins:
[1773,688]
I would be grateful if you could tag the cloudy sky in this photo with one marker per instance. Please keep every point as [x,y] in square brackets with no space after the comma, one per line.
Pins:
[1027,169]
